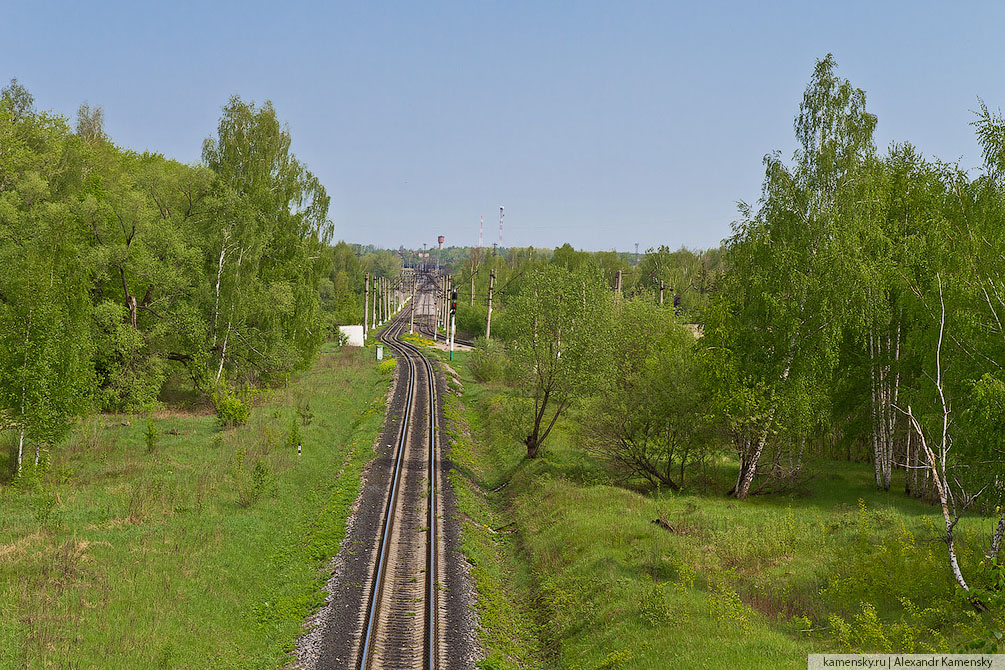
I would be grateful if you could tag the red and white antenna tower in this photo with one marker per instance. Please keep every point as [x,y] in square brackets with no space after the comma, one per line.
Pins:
[481,227]
[501,208]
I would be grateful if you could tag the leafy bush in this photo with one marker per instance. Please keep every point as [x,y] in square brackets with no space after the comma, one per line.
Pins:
[233,408]
[150,435]
[724,604]
[653,605]
[488,360]
[32,475]
[338,337]
[249,490]
[129,376]
[471,319]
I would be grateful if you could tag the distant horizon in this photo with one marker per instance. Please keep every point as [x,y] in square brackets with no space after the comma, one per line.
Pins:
[630,252]
[596,124]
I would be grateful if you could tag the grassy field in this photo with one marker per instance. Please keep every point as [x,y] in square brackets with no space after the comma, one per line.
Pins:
[206,551]
[576,571]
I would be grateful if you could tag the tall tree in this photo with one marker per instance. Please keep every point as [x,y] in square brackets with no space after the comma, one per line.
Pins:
[648,415]
[559,319]
[269,229]
[789,261]
[44,308]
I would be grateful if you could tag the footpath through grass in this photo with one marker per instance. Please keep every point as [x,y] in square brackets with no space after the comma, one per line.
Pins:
[576,571]
[207,551]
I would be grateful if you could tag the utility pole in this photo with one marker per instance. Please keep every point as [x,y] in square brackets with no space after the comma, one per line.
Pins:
[661,291]
[366,301]
[618,286]
[472,288]
[446,292]
[411,317]
[501,208]
[488,319]
[453,321]
[444,316]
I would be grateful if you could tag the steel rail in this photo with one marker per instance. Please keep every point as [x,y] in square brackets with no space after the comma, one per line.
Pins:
[390,336]
[431,489]
[369,625]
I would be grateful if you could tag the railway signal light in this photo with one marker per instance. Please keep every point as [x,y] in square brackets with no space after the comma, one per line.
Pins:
[453,302]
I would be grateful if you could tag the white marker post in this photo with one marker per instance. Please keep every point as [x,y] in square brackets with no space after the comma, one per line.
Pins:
[453,330]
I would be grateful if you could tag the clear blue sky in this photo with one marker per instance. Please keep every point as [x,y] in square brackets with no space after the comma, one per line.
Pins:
[598,123]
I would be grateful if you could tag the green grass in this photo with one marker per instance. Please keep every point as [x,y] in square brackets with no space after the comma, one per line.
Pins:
[208,552]
[579,576]
[507,633]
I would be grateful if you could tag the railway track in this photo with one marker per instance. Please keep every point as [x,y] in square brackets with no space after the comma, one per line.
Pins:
[402,618]
[427,330]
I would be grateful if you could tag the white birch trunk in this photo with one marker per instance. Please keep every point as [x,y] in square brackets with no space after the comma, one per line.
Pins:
[24,395]
[886,439]
[219,278]
[230,323]
[895,392]
[20,450]
[748,476]
[996,539]
[937,463]
[876,452]
[223,354]
[942,487]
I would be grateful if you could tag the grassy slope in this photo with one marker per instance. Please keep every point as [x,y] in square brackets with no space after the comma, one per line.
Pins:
[758,584]
[208,552]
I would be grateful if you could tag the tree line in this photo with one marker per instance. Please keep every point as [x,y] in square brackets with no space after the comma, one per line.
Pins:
[127,271]
[855,312]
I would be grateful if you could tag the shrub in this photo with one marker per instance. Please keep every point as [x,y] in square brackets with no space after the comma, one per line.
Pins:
[653,606]
[471,319]
[233,408]
[488,360]
[129,375]
[338,337]
[249,490]
[150,435]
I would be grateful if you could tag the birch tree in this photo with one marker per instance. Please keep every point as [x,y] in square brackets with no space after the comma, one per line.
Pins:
[789,260]
[44,308]
[268,231]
